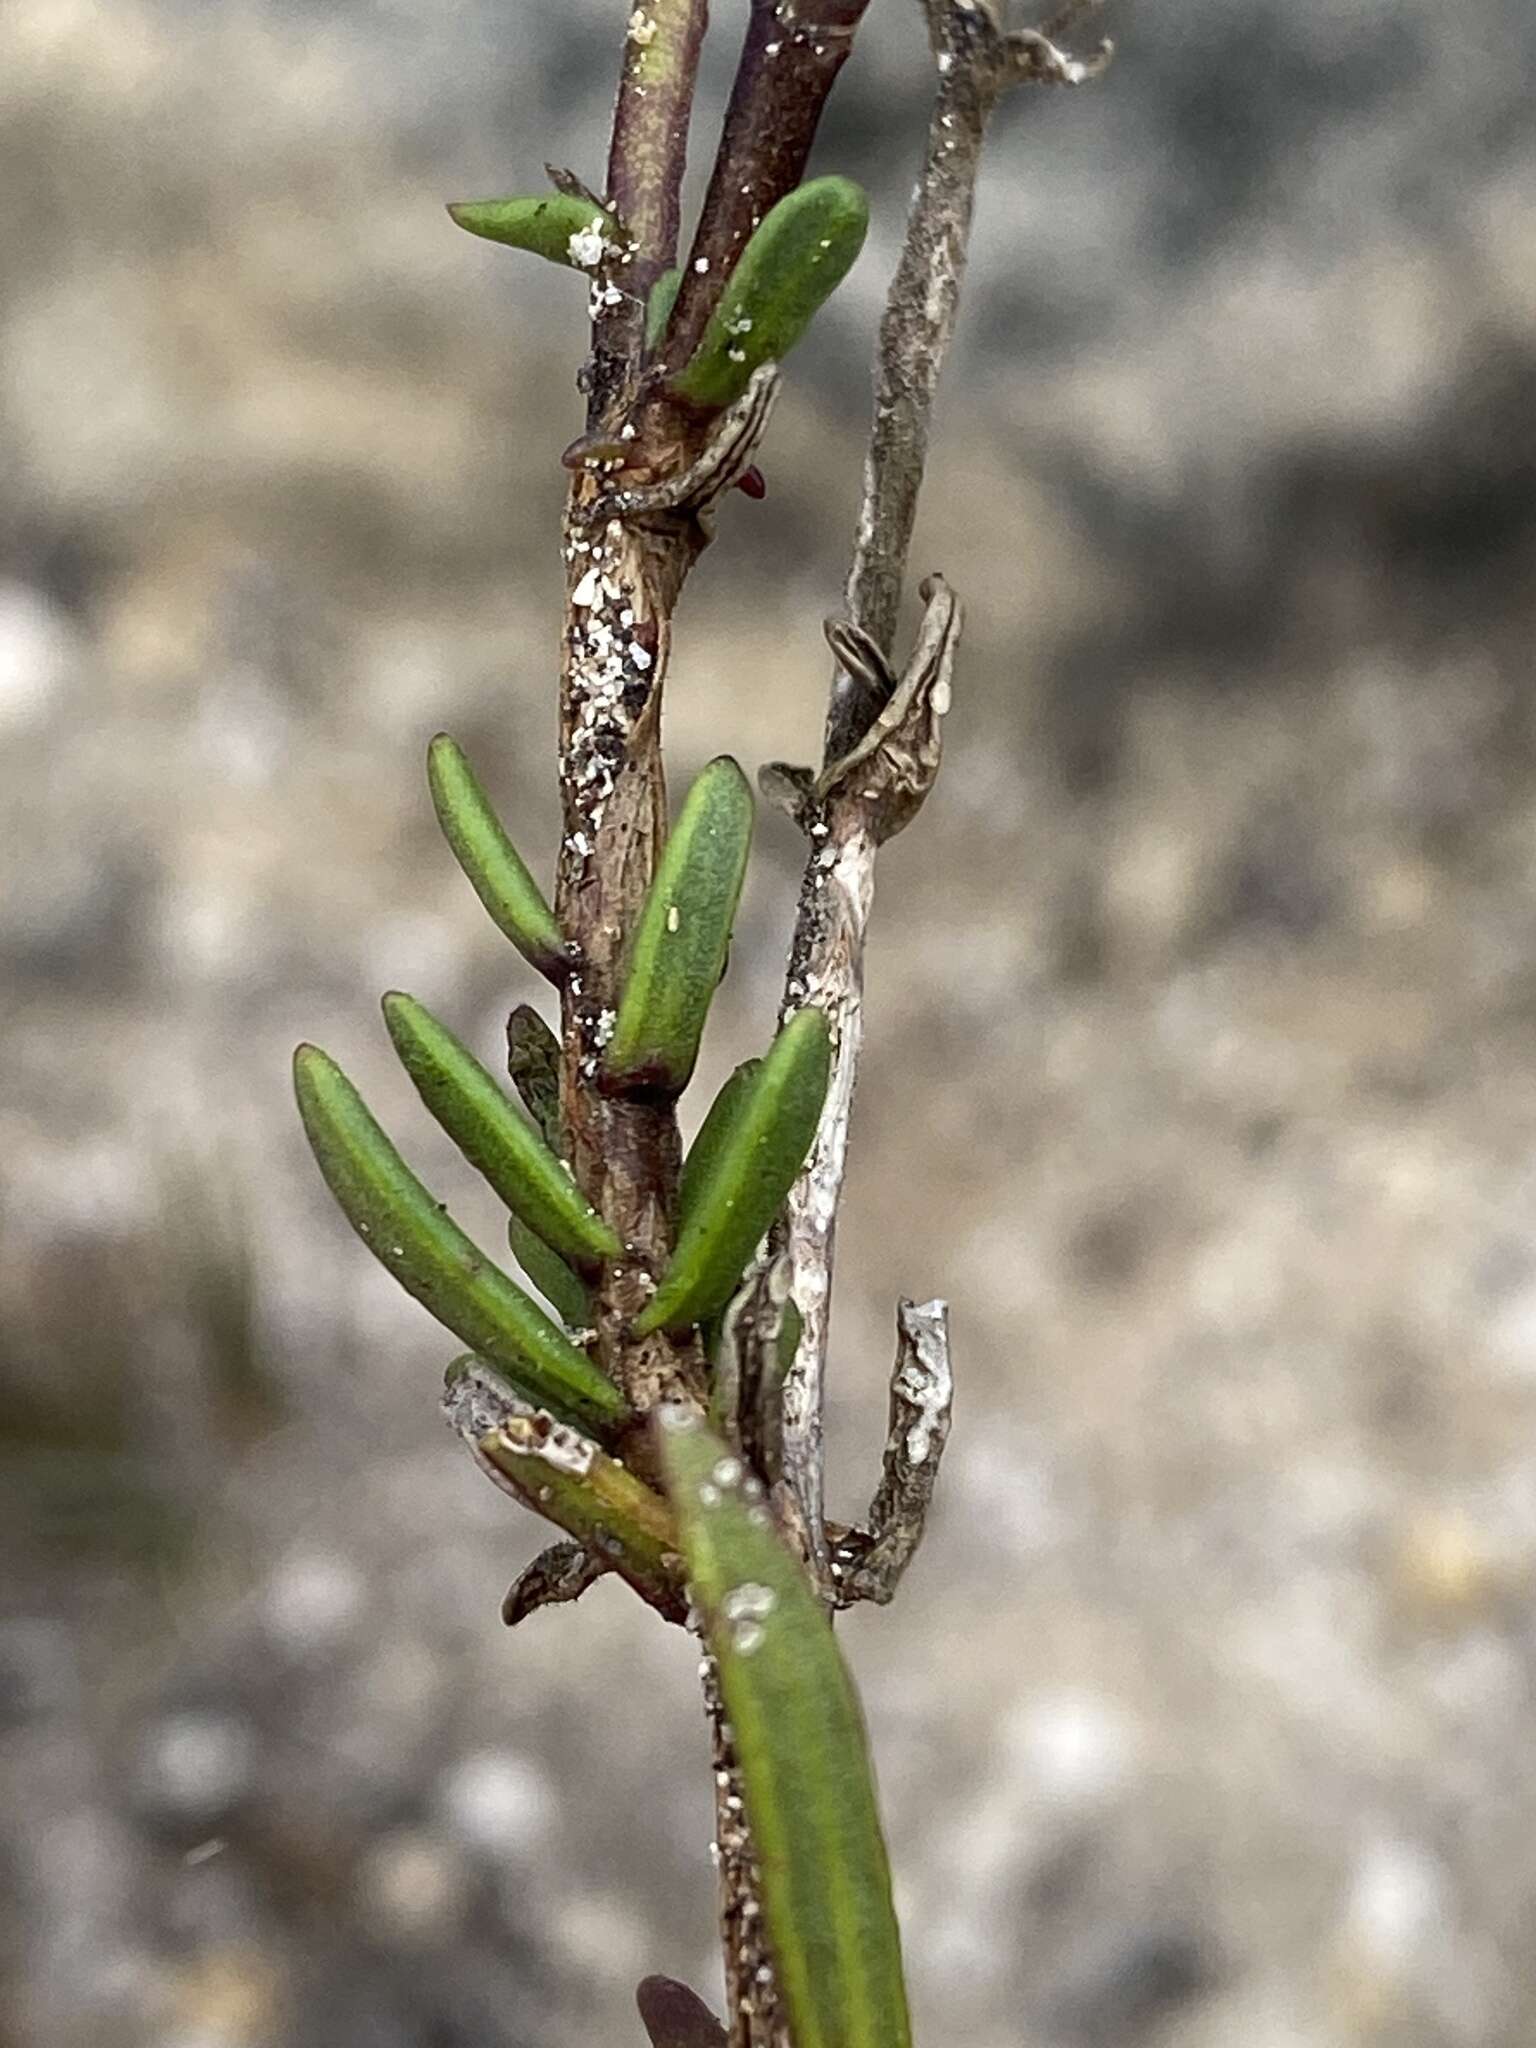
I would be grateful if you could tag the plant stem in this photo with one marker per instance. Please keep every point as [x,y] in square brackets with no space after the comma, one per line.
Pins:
[650,129]
[754,2017]
[622,582]
[646,158]
[915,332]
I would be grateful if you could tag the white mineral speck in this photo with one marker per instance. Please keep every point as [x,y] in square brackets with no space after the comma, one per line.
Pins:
[746,1637]
[672,918]
[709,1496]
[586,590]
[701,264]
[727,1473]
[586,246]
[640,656]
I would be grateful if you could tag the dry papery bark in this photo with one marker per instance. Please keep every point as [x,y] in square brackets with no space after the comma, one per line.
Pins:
[646,477]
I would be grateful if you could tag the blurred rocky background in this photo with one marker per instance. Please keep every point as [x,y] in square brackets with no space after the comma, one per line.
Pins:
[1202,1070]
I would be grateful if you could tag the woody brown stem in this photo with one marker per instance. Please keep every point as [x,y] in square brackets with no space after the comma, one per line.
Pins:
[622,584]
[650,129]
[754,2015]
[646,158]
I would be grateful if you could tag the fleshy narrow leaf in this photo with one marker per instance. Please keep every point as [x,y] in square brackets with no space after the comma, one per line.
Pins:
[561,226]
[495,869]
[495,1137]
[684,933]
[800,1744]
[752,1171]
[533,1061]
[719,1120]
[564,1290]
[801,251]
[412,1235]
[562,1474]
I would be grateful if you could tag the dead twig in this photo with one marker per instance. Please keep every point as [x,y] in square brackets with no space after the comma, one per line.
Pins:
[868,1562]
[976,60]
[557,1576]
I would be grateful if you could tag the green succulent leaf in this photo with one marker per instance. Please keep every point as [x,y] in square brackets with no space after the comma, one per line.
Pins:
[561,226]
[719,1121]
[533,1061]
[596,1500]
[752,1171]
[564,1290]
[495,869]
[433,1259]
[684,933]
[562,1474]
[799,254]
[658,307]
[800,1743]
[495,1137]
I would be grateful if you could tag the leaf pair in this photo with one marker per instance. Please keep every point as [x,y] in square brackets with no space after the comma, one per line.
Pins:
[496,1138]
[751,1145]
[759,1129]
[795,259]
[801,1749]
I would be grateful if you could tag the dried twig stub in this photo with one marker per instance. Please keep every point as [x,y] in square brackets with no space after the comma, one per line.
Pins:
[557,1576]
[889,770]
[975,61]
[868,1563]
[676,2017]
[723,460]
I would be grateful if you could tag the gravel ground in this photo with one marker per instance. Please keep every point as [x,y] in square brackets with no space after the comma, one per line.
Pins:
[1203,1006]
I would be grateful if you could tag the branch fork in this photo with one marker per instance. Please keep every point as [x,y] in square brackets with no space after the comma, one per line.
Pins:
[646,477]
